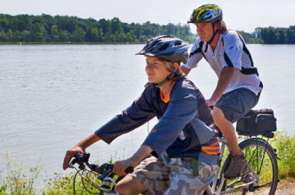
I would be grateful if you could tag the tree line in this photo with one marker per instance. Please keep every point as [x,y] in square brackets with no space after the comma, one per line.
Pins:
[272,35]
[46,28]
[63,29]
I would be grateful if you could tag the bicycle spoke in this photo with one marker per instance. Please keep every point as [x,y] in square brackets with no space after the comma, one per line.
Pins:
[262,161]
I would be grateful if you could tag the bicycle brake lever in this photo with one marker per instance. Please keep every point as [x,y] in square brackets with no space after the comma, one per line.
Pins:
[72,162]
[80,159]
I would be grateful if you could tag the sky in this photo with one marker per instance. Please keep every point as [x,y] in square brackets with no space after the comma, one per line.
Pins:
[238,14]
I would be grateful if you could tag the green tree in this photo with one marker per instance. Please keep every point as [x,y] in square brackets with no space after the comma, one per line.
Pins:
[78,34]
[46,28]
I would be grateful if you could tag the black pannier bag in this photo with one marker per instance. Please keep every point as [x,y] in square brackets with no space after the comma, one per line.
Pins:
[257,122]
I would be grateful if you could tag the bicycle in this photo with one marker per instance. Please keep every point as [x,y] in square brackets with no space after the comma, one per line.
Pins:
[261,157]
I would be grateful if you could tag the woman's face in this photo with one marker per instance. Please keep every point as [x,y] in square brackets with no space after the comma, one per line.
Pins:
[205,31]
[156,69]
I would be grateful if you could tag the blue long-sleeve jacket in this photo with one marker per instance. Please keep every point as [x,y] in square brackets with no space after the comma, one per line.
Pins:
[185,114]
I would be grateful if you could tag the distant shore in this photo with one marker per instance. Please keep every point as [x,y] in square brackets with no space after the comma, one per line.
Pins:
[47,29]
[98,43]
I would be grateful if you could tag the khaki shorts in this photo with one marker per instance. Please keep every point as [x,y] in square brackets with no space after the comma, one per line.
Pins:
[185,176]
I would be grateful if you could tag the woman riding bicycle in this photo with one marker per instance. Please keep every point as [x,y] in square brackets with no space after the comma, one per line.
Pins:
[238,86]
[181,152]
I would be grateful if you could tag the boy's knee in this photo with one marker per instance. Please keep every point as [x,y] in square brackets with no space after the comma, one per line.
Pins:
[122,188]
[129,185]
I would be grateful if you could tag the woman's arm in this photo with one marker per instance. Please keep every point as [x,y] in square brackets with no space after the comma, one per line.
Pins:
[223,81]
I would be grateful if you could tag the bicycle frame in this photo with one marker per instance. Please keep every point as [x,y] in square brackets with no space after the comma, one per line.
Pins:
[219,179]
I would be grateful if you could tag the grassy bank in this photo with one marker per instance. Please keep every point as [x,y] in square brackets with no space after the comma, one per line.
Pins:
[285,147]
[19,181]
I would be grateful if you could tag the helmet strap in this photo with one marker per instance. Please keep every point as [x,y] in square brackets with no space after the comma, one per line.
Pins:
[174,73]
[161,82]
[170,77]
[212,37]
[214,34]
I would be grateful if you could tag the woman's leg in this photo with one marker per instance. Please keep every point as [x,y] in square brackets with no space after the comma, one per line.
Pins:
[230,108]
[227,129]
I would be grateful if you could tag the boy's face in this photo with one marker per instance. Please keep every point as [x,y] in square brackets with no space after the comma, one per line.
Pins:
[156,69]
[204,30]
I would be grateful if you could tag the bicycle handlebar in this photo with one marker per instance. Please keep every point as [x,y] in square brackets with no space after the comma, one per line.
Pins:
[82,159]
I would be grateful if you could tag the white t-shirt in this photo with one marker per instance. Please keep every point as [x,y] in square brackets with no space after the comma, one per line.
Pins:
[230,51]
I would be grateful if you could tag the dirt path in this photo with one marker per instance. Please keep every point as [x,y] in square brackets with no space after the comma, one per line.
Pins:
[285,187]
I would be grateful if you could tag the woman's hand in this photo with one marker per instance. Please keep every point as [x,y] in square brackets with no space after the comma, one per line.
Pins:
[211,103]
[69,155]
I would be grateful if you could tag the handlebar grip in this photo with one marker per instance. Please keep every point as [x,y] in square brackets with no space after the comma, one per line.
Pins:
[80,159]
[129,169]
[82,156]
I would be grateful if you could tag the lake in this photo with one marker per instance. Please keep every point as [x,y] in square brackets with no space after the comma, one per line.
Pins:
[52,96]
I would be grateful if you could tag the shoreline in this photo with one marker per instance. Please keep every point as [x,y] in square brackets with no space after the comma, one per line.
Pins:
[97,43]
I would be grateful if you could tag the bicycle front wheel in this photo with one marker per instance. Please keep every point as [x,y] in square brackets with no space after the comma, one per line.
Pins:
[262,160]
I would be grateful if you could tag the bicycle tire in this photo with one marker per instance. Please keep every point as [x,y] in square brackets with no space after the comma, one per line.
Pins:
[271,162]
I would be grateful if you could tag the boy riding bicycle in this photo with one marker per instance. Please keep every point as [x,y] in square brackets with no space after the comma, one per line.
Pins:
[180,154]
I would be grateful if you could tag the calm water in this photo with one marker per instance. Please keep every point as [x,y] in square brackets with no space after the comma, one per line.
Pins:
[53,96]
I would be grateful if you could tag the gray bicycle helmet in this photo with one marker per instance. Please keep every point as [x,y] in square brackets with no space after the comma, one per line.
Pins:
[166,47]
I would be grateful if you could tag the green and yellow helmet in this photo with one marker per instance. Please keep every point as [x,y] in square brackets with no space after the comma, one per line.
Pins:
[206,13]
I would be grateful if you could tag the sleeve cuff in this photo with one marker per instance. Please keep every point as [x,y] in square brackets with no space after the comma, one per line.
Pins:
[103,138]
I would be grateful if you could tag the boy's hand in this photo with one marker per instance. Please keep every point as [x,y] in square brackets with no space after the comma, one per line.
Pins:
[121,166]
[69,155]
